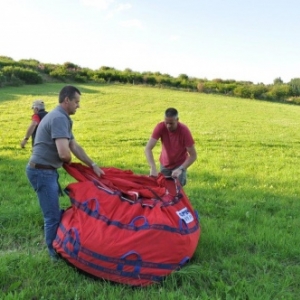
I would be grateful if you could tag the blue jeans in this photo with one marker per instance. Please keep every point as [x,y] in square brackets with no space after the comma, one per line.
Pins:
[45,184]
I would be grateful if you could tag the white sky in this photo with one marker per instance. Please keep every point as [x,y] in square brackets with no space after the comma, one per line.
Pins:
[255,40]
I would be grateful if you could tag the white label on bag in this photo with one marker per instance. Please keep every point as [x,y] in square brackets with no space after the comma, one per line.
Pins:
[185,215]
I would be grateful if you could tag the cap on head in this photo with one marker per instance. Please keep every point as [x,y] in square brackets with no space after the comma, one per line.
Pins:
[39,104]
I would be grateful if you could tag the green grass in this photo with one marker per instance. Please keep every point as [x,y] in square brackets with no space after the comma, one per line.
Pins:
[244,186]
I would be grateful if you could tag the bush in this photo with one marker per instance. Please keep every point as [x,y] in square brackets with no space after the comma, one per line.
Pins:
[14,81]
[210,87]
[29,63]
[80,78]
[6,61]
[47,68]
[280,92]
[295,100]
[25,75]
[98,80]
[226,88]
[2,79]
[243,91]
[59,73]
[258,91]
[149,79]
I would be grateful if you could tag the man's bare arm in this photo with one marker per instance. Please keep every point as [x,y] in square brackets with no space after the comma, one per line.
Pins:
[149,155]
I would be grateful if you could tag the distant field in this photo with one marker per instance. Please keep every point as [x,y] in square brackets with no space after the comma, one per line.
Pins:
[245,186]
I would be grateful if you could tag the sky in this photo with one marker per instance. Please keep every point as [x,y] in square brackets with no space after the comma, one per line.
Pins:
[253,40]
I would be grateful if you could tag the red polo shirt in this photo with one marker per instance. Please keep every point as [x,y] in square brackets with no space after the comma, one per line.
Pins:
[174,144]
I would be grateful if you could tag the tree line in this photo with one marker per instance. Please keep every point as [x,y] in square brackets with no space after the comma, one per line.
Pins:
[31,71]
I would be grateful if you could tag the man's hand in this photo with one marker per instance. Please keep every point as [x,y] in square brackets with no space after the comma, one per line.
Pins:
[23,143]
[98,171]
[177,172]
[153,172]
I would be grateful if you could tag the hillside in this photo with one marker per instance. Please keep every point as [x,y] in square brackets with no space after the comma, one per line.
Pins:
[30,71]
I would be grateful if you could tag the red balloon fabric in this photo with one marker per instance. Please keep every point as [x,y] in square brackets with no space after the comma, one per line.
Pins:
[127,228]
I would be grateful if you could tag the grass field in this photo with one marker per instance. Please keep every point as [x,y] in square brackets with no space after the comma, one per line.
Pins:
[244,186]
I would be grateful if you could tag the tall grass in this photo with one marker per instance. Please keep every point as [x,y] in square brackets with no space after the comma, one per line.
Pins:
[244,186]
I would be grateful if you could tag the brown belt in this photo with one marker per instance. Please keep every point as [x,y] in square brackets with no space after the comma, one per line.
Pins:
[39,166]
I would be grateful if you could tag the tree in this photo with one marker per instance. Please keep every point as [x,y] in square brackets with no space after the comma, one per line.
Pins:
[70,66]
[183,77]
[295,86]
[277,81]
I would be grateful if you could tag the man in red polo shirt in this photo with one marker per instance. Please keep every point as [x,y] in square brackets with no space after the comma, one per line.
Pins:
[178,147]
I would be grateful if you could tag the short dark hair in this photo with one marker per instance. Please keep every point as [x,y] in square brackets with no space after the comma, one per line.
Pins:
[171,113]
[68,91]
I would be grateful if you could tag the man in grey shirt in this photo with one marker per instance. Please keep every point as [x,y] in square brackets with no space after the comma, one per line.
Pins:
[54,145]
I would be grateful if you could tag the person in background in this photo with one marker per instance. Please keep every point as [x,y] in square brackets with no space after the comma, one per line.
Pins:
[39,113]
[54,146]
[178,147]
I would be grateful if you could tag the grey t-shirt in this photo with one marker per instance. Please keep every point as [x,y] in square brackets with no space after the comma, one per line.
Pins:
[56,124]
